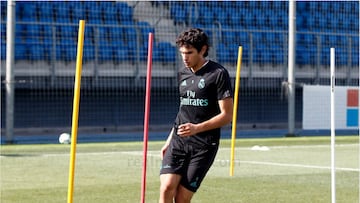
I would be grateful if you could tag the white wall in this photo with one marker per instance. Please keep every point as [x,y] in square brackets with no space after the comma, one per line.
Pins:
[316,108]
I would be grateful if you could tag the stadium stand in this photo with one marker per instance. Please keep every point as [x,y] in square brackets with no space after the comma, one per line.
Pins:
[259,26]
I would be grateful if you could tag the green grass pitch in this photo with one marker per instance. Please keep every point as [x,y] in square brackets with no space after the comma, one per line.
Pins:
[293,170]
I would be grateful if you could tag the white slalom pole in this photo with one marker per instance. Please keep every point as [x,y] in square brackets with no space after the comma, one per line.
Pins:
[332,111]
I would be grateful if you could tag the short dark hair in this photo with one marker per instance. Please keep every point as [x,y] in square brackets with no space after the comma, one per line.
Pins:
[194,37]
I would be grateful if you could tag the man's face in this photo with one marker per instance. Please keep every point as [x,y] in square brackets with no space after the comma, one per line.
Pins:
[191,57]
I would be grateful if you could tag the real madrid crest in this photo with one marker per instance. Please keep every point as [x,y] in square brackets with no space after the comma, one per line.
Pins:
[201,83]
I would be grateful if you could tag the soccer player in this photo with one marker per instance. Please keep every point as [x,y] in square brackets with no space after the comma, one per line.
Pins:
[206,105]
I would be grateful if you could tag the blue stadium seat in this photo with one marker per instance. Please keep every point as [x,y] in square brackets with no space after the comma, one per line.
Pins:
[334,40]
[301,6]
[355,58]
[111,15]
[105,52]
[221,15]
[341,56]
[3,31]
[300,39]
[354,24]
[235,18]
[68,32]
[302,55]
[34,30]
[193,15]
[20,30]
[310,23]
[157,54]
[345,25]
[270,38]
[145,29]
[3,10]
[101,34]
[58,52]
[301,20]
[258,52]
[21,51]
[88,52]
[341,40]
[355,42]
[221,53]
[276,54]
[36,52]
[310,39]
[282,21]
[89,35]
[67,50]
[242,37]
[313,6]
[48,33]
[116,33]
[61,11]
[120,51]
[93,12]
[30,11]
[228,37]
[3,50]
[258,38]
[26,11]
[325,56]
[70,52]
[206,16]
[126,12]
[130,34]
[45,11]
[168,51]
[95,15]
[313,50]
[250,20]
[78,13]
[179,13]
[131,46]
[259,20]
[143,51]
[232,53]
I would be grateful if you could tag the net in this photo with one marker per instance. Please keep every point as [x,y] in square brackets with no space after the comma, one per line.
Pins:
[115,51]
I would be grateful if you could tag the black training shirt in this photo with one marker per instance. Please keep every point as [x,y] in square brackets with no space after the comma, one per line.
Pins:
[199,95]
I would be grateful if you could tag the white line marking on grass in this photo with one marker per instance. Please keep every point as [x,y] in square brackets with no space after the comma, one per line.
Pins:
[291,147]
[260,163]
[290,165]
[157,154]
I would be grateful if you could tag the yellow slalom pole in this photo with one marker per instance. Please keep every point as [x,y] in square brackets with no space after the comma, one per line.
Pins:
[236,99]
[75,115]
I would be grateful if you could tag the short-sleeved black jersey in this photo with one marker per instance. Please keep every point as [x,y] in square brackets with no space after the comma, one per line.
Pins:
[199,95]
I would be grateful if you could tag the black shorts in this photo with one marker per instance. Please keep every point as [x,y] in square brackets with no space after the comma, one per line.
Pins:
[188,160]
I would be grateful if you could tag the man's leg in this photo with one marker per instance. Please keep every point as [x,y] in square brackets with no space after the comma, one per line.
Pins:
[168,186]
[183,195]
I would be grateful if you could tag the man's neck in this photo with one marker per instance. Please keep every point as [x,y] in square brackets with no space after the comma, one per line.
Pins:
[203,63]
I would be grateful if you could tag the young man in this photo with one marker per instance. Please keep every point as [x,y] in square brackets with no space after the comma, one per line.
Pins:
[206,105]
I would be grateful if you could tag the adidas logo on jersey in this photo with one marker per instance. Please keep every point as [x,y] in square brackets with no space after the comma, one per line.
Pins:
[183,83]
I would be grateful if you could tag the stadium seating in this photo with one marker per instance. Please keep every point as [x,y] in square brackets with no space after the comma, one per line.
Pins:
[21,51]
[3,51]
[3,40]
[167,52]
[254,18]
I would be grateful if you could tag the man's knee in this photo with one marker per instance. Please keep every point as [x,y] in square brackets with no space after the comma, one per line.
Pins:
[169,184]
[167,188]
[183,195]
